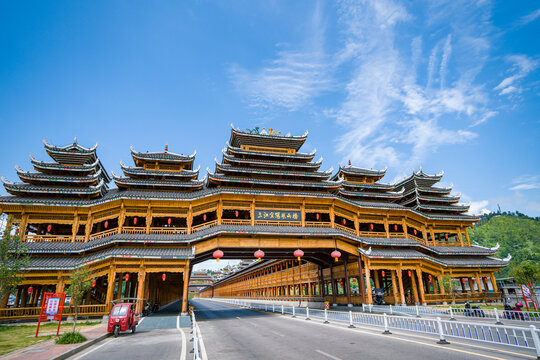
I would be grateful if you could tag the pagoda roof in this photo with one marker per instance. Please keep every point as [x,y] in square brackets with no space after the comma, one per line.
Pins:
[27,176]
[137,170]
[297,156]
[419,179]
[164,156]
[374,186]
[356,171]
[72,153]
[390,195]
[123,182]
[43,165]
[323,184]
[23,189]
[450,208]
[272,164]
[444,199]
[274,172]
[435,190]
[238,138]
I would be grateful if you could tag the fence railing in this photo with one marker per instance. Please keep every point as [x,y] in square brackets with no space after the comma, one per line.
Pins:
[33,312]
[195,338]
[521,337]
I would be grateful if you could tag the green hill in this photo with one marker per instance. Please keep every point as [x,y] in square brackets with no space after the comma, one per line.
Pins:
[517,234]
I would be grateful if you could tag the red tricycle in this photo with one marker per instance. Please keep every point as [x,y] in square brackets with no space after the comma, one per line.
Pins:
[122,318]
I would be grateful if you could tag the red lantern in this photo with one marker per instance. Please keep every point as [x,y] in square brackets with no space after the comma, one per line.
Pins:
[204,217]
[127,277]
[473,280]
[134,221]
[429,277]
[218,254]
[354,281]
[164,276]
[414,230]
[463,280]
[336,255]
[446,236]
[371,227]
[298,254]
[30,289]
[344,221]
[236,213]
[486,280]
[106,224]
[317,216]
[382,273]
[395,227]
[409,273]
[259,254]
[93,283]
[169,220]
[49,228]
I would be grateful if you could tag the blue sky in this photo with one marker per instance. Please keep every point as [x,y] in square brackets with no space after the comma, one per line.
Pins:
[453,86]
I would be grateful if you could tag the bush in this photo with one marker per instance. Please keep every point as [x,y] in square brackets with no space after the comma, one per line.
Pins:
[71,338]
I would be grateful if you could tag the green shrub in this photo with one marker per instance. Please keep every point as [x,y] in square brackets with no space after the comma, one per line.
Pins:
[71,338]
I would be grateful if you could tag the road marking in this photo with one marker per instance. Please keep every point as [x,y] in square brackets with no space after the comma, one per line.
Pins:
[140,322]
[327,355]
[92,350]
[278,334]
[238,318]
[201,342]
[184,342]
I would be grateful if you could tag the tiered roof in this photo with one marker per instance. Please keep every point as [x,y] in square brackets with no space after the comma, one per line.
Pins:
[421,195]
[361,184]
[159,171]
[75,173]
[270,161]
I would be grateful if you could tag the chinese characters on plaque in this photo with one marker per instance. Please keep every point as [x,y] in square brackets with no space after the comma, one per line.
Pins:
[278,215]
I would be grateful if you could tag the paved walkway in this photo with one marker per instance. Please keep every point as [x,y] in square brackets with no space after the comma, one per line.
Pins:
[48,349]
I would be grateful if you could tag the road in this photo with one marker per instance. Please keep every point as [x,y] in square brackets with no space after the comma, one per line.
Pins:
[229,332]
[157,337]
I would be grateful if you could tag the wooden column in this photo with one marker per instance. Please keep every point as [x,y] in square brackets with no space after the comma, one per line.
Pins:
[110,285]
[471,286]
[189,219]
[18,296]
[400,282]
[321,282]
[140,289]
[252,212]
[386,227]
[332,220]
[75,227]
[361,281]
[478,282]
[424,234]
[415,289]
[303,212]
[122,217]
[219,211]
[460,236]
[60,284]
[432,235]
[88,226]
[5,300]
[348,282]
[404,225]
[120,284]
[441,286]
[394,286]
[376,279]
[493,282]
[185,290]
[148,218]
[368,285]
[420,285]
[23,224]
[467,236]
[357,225]
[333,284]
[24,296]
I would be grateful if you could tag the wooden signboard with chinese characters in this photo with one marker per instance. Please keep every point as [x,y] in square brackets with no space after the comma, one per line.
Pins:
[52,308]
[278,215]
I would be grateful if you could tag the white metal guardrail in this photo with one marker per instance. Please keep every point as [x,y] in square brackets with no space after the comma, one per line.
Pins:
[195,338]
[521,337]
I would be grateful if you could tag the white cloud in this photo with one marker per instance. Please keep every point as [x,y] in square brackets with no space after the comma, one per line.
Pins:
[522,65]
[479,207]
[526,19]
[293,78]
[526,182]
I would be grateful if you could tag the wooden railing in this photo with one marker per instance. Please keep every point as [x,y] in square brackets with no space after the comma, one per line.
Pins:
[345,228]
[235,222]
[416,238]
[318,224]
[99,235]
[478,296]
[446,243]
[277,223]
[372,234]
[397,235]
[134,230]
[168,230]
[203,226]
[52,238]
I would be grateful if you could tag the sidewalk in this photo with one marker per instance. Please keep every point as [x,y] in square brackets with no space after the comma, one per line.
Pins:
[48,350]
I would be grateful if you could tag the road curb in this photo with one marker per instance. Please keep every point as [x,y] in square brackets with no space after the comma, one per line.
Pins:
[81,347]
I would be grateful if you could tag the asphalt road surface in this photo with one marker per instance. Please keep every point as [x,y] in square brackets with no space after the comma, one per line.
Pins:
[229,332]
[157,337]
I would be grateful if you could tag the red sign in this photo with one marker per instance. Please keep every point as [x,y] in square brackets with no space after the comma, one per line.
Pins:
[52,308]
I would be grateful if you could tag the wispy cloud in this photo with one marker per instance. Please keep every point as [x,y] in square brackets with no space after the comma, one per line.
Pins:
[530,17]
[526,182]
[479,207]
[293,78]
[522,66]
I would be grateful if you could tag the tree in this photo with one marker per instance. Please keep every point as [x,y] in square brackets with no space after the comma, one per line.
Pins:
[450,287]
[528,272]
[80,284]
[13,260]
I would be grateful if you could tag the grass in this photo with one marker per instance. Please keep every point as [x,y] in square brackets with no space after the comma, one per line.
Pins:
[13,337]
[71,338]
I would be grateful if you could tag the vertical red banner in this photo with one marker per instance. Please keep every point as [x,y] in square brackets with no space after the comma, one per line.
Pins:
[52,307]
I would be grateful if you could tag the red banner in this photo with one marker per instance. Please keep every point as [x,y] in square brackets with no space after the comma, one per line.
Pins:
[52,307]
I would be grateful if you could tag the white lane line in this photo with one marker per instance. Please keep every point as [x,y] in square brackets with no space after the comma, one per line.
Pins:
[140,322]
[327,355]
[201,342]
[92,350]
[183,351]
[238,318]
[278,334]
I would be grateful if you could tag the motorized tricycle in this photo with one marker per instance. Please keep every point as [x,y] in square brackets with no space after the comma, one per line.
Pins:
[122,318]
